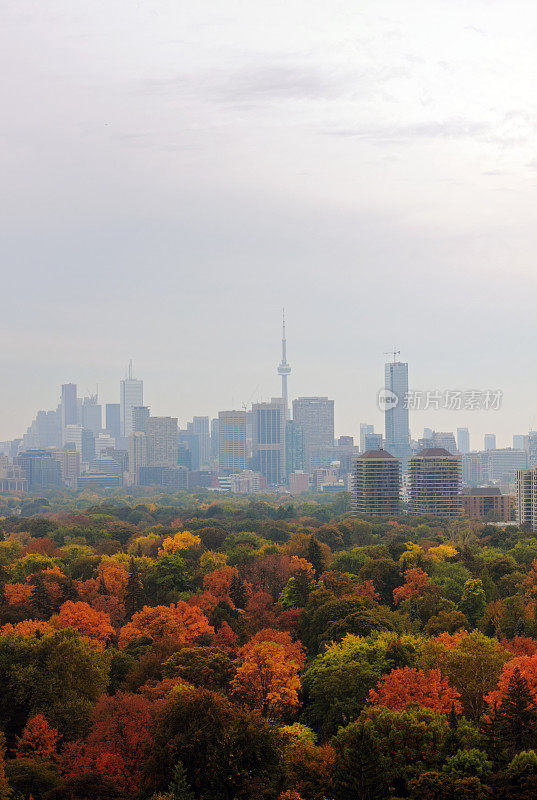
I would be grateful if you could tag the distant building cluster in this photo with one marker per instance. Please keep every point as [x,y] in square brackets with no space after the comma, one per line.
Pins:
[275,446]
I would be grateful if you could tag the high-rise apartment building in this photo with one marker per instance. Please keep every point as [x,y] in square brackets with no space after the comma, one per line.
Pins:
[490,441]
[162,441]
[131,395]
[526,498]
[435,483]
[397,433]
[315,415]
[269,440]
[231,442]
[137,454]
[463,440]
[376,484]
[113,419]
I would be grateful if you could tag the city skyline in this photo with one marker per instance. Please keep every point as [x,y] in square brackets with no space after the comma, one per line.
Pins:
[374,173]
[420,419]
[383,417]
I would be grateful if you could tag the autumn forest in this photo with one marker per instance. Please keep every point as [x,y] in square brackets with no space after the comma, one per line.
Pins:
[199,648]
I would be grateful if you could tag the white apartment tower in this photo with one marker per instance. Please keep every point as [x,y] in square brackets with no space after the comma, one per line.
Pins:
[526,498]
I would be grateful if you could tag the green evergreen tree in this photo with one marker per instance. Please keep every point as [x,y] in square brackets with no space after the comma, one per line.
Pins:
[237,592]
[179,788]
[517,715]
[41,599]
[315,556]
[134,594]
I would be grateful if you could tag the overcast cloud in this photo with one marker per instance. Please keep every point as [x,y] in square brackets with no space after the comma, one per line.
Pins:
[174,173]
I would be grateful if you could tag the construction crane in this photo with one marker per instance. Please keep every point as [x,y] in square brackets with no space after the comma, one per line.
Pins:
[393,353]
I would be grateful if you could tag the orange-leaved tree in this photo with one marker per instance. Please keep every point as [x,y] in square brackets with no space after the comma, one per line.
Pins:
[113,578]
[18,593]
[293,649]
[407,685]
[415,581]
[267,679]
[38,740]
[179,622]
[85,619]
[116,743]
[28,627]
[527,666]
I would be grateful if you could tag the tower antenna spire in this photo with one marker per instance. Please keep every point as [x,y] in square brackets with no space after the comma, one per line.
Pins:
[284,369]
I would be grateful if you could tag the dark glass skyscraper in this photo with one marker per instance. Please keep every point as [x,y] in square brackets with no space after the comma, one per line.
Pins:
[396,413]
[269,440]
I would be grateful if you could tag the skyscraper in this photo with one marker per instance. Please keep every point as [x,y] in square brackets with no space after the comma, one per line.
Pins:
[396,413]
[435,483]
[214,437]
[269,440]
[162,441]
[231,442]
[200,428]
[295,455]
[490,441]
[113,419]
[463,440]
[137,454]
[519,441]
[69,406]
[376,483]
[284,370]
[140,415]
[365,430]
[83,441]
[131,394]
[92,414]
[315,415]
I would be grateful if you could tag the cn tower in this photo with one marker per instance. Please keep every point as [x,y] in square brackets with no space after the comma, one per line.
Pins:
[284,369]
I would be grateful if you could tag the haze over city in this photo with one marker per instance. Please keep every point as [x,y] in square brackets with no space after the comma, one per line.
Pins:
[174,174]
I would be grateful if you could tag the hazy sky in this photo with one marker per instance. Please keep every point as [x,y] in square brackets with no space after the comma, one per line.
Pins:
[173,173]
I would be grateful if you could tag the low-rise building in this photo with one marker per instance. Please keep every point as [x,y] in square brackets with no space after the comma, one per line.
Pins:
[488,503]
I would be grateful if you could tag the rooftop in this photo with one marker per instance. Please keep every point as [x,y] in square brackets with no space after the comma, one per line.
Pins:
[376,454]
[435,452]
